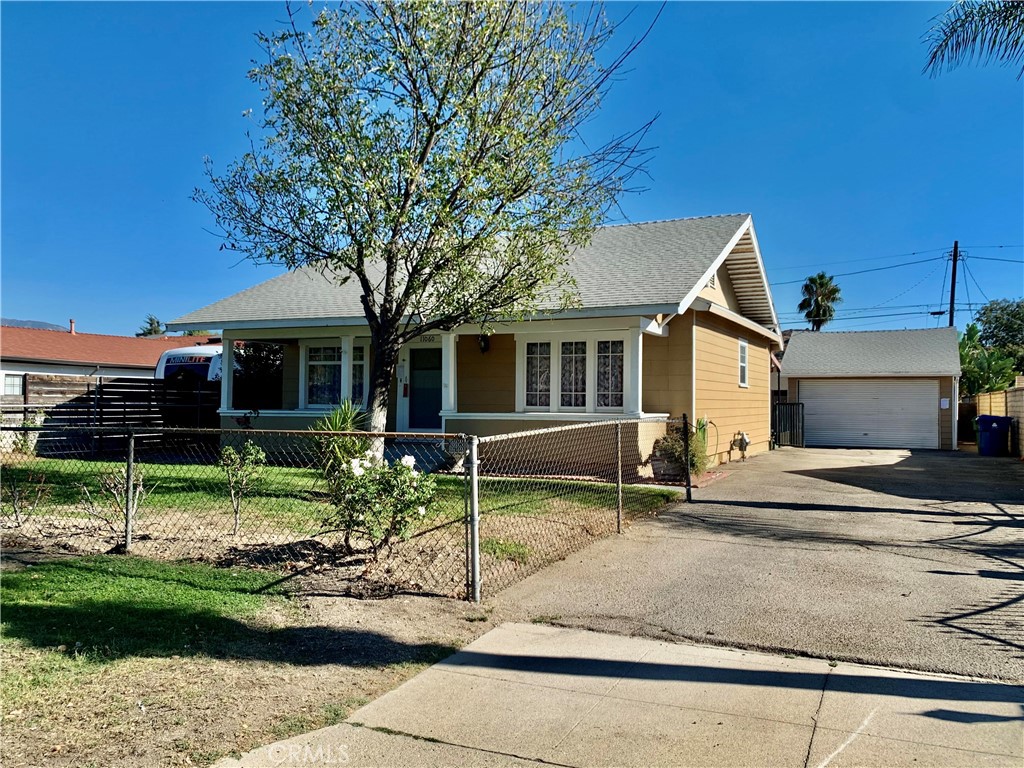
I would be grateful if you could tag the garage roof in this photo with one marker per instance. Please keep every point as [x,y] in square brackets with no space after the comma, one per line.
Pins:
[927,352]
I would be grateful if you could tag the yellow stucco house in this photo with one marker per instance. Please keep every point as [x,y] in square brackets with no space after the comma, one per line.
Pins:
[674,317]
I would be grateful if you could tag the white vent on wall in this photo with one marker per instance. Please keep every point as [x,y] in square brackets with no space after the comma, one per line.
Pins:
[711,282]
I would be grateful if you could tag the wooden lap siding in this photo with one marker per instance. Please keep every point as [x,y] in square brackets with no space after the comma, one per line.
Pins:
[719,396]
[486,380]
[667,369]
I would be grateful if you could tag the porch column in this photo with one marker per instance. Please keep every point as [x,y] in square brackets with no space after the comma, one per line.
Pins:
[634,365]
[449,383]
[227,372]
[346,368]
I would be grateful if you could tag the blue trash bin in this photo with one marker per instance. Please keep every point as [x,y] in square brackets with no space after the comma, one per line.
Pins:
[994,435]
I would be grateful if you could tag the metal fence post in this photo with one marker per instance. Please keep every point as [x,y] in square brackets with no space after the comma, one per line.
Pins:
[686,461]
[129,496]
[618,477]
[474,517]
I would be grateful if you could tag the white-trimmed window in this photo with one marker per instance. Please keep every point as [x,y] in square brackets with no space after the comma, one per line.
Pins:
[743,363]
[14,384]
[582,372]
[323,376]
[610,366]
[360,375]
[573,380]
[538,374]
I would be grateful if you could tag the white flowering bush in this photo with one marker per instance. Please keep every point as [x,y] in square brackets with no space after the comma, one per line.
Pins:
[378,502]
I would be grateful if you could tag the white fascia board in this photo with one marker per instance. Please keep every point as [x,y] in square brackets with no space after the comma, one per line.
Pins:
[851,375]
[554,416]
[309,322]
[295,332]
[569,325]
[320,322]
[719,260]
[703,305]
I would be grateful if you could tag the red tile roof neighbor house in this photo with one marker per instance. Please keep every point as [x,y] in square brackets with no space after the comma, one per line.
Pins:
[35,345]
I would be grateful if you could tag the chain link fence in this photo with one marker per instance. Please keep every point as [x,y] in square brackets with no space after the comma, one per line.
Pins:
[546,493]
[362,513]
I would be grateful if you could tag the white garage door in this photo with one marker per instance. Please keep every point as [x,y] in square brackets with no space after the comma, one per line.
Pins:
[890,413]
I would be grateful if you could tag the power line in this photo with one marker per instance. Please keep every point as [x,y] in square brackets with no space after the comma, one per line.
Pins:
[967,269]
[864,271]
[992,258]
[942,293]
[844,310]
[854,261]
[994,246]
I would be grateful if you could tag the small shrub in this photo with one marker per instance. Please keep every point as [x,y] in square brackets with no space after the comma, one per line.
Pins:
[506,549]
[335,452]
[116,492]
[25,442]
[22,495]
[244,470]
[673,448]
[377,502]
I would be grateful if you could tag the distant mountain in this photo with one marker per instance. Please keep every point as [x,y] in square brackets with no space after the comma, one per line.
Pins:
[38,324]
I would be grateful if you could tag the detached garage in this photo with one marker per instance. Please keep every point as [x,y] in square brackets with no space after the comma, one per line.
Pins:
[876,389]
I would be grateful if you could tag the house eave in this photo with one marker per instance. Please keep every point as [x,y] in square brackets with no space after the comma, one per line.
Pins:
[54,361]
[861,375]
[351,321]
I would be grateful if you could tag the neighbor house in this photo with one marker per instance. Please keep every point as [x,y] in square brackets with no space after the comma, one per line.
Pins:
[45,352]
[673,317]
[876,389]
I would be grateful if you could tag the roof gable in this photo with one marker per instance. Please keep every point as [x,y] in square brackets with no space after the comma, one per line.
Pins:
[927,352]
[658,266]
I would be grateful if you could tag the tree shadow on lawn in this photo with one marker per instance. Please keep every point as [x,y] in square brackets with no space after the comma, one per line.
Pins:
[102,632]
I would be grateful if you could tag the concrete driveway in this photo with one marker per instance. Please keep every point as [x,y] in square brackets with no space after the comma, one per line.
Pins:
[898,558]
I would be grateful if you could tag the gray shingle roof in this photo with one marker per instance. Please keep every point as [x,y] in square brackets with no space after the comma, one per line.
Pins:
[627,265]
[928,352]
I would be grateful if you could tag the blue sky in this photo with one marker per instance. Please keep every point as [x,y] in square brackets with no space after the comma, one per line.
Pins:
[814,117]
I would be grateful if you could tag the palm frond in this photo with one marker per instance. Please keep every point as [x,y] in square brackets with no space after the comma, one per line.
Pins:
[977,30]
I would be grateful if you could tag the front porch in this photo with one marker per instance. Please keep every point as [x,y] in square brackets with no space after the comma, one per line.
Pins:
[525,376]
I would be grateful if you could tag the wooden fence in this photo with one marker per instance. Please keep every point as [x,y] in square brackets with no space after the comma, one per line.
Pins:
[67,402]
[1009,402]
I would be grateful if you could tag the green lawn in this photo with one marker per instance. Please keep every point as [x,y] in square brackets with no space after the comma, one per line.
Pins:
[96,609]
[294,498]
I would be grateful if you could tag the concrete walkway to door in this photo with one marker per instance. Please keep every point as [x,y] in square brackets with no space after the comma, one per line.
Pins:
[900,558]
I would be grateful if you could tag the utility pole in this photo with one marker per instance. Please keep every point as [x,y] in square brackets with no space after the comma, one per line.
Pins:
[952,284]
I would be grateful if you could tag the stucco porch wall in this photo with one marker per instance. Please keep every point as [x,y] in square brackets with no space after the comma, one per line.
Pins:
[719,396]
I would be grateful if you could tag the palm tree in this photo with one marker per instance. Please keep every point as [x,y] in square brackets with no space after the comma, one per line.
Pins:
[985,30]
[820,297]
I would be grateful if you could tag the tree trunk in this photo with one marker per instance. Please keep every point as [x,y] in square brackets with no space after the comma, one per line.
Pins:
[382,372]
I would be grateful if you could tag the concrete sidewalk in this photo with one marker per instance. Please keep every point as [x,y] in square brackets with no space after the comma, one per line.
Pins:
[525,693]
